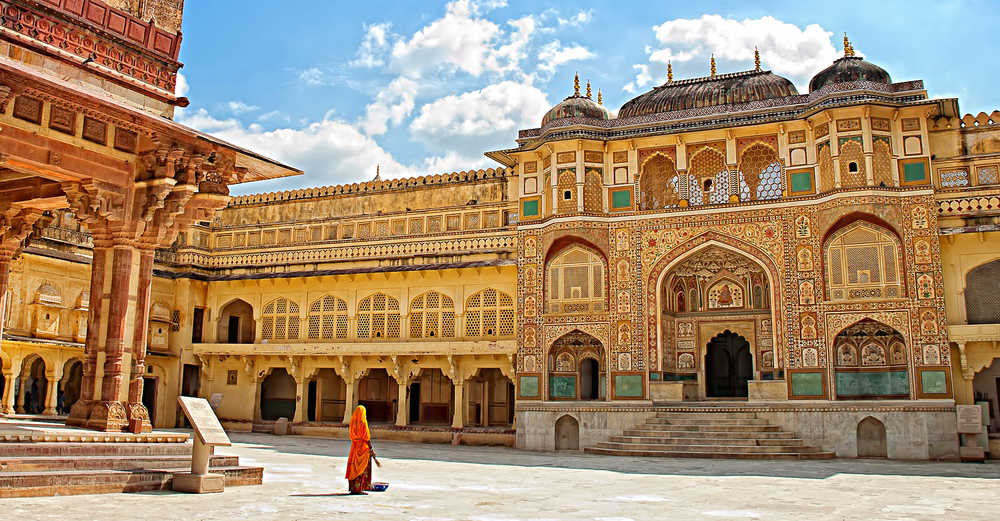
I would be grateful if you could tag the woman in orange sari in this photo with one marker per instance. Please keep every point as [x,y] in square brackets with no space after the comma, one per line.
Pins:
[359,468]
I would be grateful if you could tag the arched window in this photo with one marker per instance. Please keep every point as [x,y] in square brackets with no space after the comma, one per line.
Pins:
[655,191]
[862,262]
[852,164]
[576,282]
[707,164]
[432,315]
[280,320]
[593,186]
[982,294]
[378,317]
[762,171]
[328,318]
[827,181]
[489,314]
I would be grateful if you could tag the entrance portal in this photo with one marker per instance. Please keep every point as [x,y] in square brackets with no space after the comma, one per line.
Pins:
[728,366]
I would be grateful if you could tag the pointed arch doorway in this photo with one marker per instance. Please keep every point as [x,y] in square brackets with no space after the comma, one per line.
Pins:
[728,366]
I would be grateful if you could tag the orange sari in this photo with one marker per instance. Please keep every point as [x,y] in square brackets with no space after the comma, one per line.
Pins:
[359,459]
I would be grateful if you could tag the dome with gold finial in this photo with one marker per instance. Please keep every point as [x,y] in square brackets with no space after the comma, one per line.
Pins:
[576,106]
[711,90]
[849,68]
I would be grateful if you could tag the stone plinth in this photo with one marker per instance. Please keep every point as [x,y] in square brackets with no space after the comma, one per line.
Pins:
[676,391]
[767,390]
[198,483]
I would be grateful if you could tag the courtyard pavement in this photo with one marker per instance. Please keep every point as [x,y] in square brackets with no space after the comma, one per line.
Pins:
[303,479]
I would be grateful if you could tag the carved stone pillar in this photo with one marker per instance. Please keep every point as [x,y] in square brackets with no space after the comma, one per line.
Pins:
[51,393]
[402,403]
[9,377]
[80,411]
[21,388]
[459,419]
[16,224]
[350,398]
[301,399]
[138,416]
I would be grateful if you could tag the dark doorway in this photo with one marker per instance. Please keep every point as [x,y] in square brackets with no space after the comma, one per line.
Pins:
[590,382]
[189,382]
[311,401]
[728,366]
[234,330]
[197,325]
[510,403]
[149,397]
[414,403]
[277,396]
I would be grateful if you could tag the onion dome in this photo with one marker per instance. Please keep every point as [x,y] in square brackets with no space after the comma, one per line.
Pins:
[716,89]
[849,68]
[576,106]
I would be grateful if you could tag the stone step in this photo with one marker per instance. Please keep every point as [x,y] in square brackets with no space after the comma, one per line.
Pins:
[709,428]
[735,454]
[674,414]
[690,447]
[12,449]
[702,433]
[70,482]
[706,421]
[59,463]
[660,440]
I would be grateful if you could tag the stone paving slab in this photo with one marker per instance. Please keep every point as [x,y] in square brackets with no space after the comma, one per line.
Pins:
[303,480]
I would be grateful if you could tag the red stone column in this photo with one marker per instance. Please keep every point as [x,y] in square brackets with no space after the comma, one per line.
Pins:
[138,416]
[109,413]
[88,392]
[5,258]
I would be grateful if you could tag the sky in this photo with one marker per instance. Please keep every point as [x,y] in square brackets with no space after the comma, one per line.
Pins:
[336,88]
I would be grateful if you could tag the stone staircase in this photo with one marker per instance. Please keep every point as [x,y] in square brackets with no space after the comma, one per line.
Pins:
[708,434]
[30,468]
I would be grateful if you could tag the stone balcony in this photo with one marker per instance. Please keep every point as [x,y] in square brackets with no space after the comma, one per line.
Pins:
[507,347]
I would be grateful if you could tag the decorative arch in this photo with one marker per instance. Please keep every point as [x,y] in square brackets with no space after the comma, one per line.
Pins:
[566,183]
[280,320]
[761,168]
[827,179]
[661,267]
[593,185]
[871,361]
[576,364]
[576,280]
[863,259]
[328,318]
[432,315]
[378,317]
[236,324]
[707,163]
[489,313]
[655,189]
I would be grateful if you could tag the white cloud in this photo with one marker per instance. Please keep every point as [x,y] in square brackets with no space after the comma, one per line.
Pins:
[182,87]
[642,78]
[391,105]
[328,151]
[579,19]
[554,54]
[312,76]
[373,47]
[794,52]
[239,107]
[473,121]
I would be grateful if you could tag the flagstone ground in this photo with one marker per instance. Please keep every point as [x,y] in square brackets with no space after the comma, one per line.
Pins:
[303,480]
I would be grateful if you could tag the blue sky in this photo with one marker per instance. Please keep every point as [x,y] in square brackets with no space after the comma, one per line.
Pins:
[335,88]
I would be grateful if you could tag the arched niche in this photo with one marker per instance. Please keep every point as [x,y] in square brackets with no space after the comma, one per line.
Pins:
[236,324]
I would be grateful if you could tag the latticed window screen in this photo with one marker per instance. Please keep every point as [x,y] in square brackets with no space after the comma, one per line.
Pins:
[707,163]
[576,282]
[852,165]
[328,318]
[982,294]
[432,315]
[987,175]
[489,314]
[771,185]
[280,320]
[862,263]
[825,160]
[378,317]
[882,162]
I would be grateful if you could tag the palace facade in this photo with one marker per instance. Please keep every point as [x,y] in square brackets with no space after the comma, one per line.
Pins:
[828,261]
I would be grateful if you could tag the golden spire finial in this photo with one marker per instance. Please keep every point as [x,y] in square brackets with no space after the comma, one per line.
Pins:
[588,89]
[600,101]
[670,71]
[713,64]
[576,85]
[848,48]
[378,172]
[756,59]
